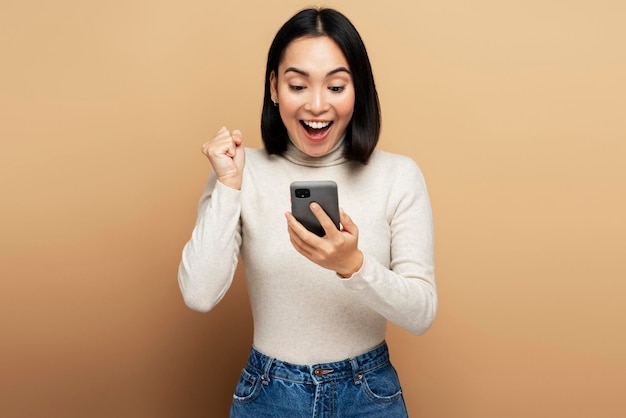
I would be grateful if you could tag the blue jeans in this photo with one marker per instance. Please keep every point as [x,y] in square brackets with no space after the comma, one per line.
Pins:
[364,386]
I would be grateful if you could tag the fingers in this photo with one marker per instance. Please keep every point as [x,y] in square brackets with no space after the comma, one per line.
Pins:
[239,156]
[218,142]
[302,246]
[337,251]
[323,218]
[227,156]
[299,236]
[346,222]
[325,221]
[296,227]
[224,142]
[229,141]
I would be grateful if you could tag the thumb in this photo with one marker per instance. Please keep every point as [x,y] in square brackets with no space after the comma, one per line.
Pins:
[237,137]
[240,156]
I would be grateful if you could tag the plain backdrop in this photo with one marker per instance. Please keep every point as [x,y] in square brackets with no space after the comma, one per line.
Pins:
[514,110]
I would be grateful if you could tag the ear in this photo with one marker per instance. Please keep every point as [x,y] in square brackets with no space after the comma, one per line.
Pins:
[273,84]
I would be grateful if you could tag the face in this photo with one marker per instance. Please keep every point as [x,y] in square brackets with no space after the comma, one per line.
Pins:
[315,93]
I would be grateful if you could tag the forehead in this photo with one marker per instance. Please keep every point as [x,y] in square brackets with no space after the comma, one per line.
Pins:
[309,53]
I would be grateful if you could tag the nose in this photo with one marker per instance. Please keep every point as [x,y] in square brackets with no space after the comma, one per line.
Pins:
[317,102]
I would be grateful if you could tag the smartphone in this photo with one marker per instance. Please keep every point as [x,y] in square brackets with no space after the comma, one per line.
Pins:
[322,192]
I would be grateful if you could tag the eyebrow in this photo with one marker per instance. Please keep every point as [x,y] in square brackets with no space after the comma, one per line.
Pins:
[306,74]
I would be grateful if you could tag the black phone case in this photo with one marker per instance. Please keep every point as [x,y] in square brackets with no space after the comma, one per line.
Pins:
[322,192]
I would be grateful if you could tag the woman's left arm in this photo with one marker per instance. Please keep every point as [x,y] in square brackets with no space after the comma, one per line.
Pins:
[405,292]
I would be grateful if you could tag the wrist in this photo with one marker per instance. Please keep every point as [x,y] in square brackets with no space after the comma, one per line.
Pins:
[354,267]
[231,182]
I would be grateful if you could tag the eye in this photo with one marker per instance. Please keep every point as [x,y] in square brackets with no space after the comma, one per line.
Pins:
[296,88]
[336,89]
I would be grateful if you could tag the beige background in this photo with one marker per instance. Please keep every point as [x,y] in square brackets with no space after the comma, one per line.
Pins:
[514,110]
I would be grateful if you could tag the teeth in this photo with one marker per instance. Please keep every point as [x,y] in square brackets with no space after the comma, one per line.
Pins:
[316,125]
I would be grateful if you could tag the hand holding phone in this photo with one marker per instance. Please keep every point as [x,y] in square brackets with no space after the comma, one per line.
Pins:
[340,255]
[303,193]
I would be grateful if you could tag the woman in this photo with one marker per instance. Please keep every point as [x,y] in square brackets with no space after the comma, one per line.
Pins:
[320,304]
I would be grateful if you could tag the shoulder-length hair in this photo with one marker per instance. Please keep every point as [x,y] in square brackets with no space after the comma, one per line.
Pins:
[364,129]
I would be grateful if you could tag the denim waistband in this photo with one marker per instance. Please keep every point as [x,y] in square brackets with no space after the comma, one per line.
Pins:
[270,367]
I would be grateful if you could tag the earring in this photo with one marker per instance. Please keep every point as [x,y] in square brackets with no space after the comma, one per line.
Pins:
[274,101]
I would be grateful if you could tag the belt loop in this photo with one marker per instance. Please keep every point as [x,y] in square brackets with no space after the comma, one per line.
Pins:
[265,377]
[357,375]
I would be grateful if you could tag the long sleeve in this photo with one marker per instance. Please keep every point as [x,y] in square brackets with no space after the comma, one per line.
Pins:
[296,303]
[209,258]
[404,293]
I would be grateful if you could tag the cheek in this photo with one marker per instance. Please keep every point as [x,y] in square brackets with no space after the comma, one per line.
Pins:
[287,107]
[345,108]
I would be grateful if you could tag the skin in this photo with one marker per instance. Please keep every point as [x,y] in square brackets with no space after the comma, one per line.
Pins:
[313,84]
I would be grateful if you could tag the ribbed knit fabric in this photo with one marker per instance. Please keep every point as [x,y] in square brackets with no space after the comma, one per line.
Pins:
[303,313]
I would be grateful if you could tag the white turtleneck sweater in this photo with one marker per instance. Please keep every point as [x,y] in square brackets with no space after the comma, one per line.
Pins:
[303,313]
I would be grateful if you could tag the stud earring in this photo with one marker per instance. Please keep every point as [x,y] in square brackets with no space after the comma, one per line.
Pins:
[274,101]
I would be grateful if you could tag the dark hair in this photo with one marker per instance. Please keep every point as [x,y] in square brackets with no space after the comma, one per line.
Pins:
[364,128]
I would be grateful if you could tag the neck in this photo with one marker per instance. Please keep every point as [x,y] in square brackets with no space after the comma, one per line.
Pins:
[333,157]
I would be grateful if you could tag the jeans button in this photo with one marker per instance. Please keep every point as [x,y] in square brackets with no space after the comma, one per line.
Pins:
[319,372]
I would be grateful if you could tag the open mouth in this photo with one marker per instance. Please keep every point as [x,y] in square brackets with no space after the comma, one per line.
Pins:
[316,130]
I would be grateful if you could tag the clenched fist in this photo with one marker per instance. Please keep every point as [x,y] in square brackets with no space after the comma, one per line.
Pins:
[227,156]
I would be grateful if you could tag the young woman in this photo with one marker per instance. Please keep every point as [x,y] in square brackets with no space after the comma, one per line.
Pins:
[320,304]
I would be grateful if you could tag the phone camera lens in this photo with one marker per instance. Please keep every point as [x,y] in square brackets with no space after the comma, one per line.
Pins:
[303,193]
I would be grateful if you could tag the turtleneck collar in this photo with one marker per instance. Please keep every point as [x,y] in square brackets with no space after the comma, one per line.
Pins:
[333,157]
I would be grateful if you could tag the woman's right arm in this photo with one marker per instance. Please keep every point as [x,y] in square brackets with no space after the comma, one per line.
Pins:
[210,257]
